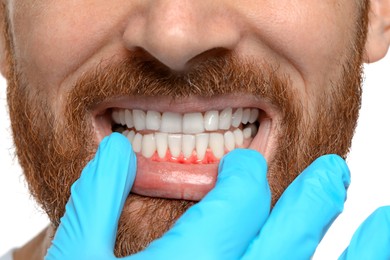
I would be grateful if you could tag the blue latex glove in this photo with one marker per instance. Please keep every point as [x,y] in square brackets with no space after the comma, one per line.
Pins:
[87,230]
[232,221]
[372,239]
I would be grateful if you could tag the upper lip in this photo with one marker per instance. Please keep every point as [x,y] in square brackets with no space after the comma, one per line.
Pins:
[185,105]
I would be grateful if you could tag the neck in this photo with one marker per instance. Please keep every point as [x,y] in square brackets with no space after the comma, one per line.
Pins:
[36,248]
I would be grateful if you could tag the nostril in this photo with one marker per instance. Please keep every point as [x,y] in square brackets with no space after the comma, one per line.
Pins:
[208,56]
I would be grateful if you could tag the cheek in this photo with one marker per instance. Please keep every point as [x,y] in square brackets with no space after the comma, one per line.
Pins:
[54,41]
[313,36]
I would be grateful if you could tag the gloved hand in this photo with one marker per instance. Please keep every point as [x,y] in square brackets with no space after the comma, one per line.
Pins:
[232,221]
[372,239]
[87,229]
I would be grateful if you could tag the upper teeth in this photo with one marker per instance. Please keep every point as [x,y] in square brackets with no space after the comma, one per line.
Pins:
[189,123]
[187,134]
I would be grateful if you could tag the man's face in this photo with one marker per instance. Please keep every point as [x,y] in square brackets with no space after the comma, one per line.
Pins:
[180,79]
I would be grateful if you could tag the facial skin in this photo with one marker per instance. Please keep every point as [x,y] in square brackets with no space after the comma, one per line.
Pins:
[70,63]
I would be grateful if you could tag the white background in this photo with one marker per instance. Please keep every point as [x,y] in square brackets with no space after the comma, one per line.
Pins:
[21,219]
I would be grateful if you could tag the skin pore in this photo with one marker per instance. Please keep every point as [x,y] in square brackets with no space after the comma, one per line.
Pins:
[66,59]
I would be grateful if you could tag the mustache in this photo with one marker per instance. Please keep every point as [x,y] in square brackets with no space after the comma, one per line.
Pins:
[140,75]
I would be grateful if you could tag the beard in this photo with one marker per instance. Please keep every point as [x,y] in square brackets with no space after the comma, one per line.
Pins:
[53,150]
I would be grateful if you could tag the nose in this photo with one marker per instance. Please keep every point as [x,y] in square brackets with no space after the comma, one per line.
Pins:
[176,32]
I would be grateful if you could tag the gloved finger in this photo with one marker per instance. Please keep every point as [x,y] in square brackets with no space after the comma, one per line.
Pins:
[224,222]
[304,212]
[372,239]
[98,196]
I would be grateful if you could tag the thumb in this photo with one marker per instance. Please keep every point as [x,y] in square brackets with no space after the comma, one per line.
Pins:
[224,222]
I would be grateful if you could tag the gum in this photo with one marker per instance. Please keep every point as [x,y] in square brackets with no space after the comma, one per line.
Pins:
[209,158]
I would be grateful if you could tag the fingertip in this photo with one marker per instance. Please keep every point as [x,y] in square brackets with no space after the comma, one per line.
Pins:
[244,170]
[329,177]
[242,180]
[116,140]
[116,145]
[246,158]
[244,153]
[114,160]
[335,165]
[313,199]
[105,183]
[324,182]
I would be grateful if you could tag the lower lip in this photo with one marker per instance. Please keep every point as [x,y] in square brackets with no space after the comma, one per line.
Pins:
[188,181]
[174,180]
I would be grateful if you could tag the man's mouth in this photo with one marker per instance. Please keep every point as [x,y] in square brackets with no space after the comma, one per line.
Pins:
[179,144]
[187,138]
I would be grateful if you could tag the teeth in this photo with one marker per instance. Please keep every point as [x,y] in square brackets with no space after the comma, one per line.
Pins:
[193,123]
[137,143]
[153,120]
[211,120]
[202,142]
[250,131]
[225,119]
[184,134]
[238,137]
[130,136]
[237,117]
[162,144]
[148,145]
[245,115]
[253,128]
[247,132]
[139,118]
[188,145]
[122,117]
[129,118]
[189,123]
[171,122]
[174,144]
[116,117]
[229,140]
[216,144]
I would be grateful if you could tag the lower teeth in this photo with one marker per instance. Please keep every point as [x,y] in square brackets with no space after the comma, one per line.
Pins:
[186,147]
